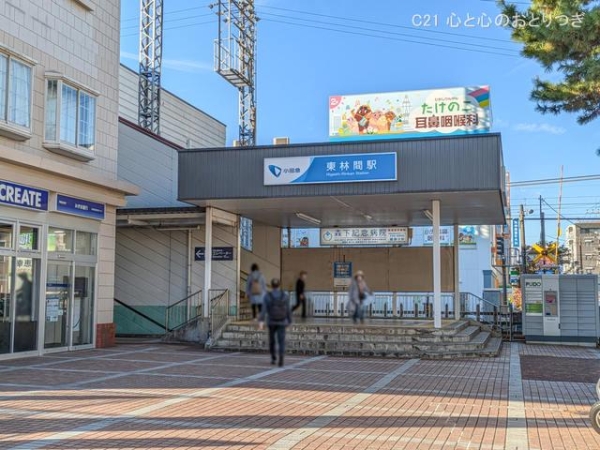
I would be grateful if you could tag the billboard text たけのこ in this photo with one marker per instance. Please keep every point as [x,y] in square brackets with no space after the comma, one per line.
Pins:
[392,115]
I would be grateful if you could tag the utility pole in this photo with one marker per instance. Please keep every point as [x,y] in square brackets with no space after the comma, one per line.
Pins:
[543,226]
[523,245]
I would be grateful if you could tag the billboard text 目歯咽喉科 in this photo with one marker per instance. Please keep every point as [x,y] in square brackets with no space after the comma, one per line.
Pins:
[427,113]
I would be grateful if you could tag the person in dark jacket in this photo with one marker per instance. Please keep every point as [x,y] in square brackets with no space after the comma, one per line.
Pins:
[301,294]
[277,313]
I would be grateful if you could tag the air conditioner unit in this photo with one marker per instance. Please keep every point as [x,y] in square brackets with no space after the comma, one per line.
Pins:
[281,141]
[236,143]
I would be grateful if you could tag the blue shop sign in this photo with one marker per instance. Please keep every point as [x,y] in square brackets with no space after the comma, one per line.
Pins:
[78,207]
[516,238]
[23,196]
[330,169]
[218,254]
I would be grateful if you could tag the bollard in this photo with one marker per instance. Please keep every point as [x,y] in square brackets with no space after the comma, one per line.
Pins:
[416,310]
[370,310]
[478,313]
[385,309]
[447,311]
[401,310]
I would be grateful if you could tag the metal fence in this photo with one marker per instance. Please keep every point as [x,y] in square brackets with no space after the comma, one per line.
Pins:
[183,311]
[413,305]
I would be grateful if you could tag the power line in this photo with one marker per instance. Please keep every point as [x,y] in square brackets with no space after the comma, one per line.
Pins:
[173,20]
[170,12]
[555,180]
[393,25]
[389,32]
[175,28]
[356,33]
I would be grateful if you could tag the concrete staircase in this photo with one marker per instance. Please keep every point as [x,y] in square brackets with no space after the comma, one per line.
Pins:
[340,337]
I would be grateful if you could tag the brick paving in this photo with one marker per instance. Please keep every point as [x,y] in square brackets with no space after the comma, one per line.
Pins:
[155,396]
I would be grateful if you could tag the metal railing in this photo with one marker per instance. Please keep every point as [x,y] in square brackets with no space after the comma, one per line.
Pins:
[409,305]
[182,311]
[220,312]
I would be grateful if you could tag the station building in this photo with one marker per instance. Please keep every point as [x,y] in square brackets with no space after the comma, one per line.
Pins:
[59,186]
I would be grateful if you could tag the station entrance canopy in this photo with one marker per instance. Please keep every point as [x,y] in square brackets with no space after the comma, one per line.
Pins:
[352,184]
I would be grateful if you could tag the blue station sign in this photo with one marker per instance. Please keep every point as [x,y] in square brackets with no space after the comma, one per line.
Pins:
[218,254]
[357,168]
[79,207]
[516,238]
[23,196]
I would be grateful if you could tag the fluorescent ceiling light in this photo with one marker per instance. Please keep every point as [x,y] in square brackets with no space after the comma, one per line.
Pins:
[368,217]
[428,214]
[308,218]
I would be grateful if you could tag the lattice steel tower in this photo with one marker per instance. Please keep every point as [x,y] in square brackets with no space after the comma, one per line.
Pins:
[235,59]
[151,40]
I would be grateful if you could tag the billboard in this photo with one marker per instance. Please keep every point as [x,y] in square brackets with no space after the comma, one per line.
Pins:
[393,115]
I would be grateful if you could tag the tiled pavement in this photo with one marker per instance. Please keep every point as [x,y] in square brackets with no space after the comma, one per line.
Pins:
[173,397]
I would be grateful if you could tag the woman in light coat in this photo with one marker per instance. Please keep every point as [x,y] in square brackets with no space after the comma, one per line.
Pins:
[256,289]
[357,294]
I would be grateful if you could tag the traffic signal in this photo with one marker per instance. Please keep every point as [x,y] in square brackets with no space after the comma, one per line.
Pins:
[500,245]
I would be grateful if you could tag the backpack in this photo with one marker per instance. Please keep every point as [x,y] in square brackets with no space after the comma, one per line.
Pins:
[278,311]
[256,286]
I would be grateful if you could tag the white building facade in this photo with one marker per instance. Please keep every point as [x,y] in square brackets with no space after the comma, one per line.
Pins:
[59,188]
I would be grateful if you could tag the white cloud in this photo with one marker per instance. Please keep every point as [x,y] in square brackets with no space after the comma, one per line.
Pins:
[180,65]
[539,128]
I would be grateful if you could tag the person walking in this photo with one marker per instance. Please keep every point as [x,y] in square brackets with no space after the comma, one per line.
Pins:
[278,315]
[256,288]
[301,294]
[357,294]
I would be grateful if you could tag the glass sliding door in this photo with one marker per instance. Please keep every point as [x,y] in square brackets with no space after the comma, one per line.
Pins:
[59,290]
[27,290]
[83,305]
[6,308]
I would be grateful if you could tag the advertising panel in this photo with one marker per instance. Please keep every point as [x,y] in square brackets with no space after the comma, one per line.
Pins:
[427,113]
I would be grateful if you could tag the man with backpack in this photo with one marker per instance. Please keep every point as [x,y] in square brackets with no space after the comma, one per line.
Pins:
[278,314]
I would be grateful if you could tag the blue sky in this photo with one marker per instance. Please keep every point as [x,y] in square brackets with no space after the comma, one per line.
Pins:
[303,61]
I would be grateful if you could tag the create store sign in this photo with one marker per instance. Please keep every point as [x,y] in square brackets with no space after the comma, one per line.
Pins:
[428,113]
[23,196]
[331,169]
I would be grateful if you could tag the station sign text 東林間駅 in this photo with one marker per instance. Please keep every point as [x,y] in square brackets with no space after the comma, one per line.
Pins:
[331,169]
[364,236]
[79,207]
[23,196]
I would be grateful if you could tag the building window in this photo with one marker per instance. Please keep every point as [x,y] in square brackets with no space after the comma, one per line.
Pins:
[15,97]
[70,119]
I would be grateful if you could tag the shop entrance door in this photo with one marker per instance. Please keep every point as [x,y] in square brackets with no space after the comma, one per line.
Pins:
[59,292]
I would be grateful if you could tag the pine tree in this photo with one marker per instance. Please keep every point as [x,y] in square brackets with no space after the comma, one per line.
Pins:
[564,37]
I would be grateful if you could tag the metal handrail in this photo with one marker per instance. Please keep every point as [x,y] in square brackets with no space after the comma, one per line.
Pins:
[182,311]
[219,313]
[139,313]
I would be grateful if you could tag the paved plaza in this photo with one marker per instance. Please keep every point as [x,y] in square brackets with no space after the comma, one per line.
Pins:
[154,396]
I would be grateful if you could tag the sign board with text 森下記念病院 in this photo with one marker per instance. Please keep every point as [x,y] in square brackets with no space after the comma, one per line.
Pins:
[364,236]
[331,169]
[425,113]
[13,194]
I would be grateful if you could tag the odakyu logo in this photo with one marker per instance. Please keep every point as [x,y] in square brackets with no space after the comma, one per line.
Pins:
[275,170]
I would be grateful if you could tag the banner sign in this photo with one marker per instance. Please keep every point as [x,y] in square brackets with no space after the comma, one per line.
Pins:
[467,237]
[516,238]
[342,274]
[393,115]
[78,207]
[218,254]
[445,236]
[23,196]
[533,296]
[364,236]
[358,168]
